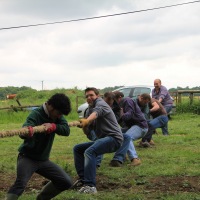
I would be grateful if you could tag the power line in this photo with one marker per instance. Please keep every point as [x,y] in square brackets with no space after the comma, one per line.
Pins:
[97,17]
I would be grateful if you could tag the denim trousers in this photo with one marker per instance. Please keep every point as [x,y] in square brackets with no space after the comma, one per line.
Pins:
[26,167]
[165,127]
[157,122]
[93,137]
[99,159]
[85,157]
[130,134]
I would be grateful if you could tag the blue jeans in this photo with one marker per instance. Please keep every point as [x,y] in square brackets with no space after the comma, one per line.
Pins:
[99,159]
[157,122]
[131,134]
[93,137]
[165,127]
[85,157]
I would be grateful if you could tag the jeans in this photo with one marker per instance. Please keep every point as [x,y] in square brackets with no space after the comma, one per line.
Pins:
[26,167]
[165,127]
[92,136]
[131,134]
[85,157]
[157,122]
[99,159]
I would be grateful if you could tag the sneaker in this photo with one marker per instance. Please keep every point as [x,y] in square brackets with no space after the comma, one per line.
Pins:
[115,163]
[77,184]
[88,189]
[135,162]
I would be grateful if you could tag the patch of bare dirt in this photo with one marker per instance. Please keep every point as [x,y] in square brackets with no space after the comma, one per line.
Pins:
[155,184]
[35,183]
[178,183]
[161,183]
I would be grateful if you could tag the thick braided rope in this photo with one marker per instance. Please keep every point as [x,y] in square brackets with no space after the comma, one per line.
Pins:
[25,130]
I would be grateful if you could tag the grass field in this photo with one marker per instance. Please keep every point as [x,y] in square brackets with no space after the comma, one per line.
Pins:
[169,170]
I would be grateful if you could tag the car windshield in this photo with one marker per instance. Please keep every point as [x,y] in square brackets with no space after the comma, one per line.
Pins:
[126,91]
[133,92]
[140,90]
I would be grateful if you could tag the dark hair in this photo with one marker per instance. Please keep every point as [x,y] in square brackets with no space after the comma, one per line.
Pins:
[146,96]
[93,89]
[118,94]
[109,95]
[60,102]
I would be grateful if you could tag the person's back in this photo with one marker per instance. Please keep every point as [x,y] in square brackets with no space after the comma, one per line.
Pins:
[132,113]
[160,111]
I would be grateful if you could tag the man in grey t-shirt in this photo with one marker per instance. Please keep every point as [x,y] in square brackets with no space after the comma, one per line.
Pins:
[109,138]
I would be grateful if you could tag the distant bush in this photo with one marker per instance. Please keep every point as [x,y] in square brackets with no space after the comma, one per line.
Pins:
[187,108]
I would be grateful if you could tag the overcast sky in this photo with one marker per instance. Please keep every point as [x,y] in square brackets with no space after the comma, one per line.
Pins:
[131,49]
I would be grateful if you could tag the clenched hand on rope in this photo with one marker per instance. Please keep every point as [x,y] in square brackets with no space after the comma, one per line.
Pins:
[29,131]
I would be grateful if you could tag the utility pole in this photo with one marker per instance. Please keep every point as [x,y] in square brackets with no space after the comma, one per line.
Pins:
[42,85]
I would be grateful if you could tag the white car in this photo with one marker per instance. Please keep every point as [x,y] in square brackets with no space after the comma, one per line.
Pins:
[128,91]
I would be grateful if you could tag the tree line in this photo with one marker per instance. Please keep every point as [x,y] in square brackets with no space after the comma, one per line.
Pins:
[4,91]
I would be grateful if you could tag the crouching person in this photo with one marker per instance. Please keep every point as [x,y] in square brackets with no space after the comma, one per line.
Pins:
[160,119]
[35,150]
[109,139]
[134,127]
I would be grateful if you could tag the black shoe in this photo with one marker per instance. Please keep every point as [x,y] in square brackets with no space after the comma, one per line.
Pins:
[144,144]
[77,184]
[97,166]
[115,163]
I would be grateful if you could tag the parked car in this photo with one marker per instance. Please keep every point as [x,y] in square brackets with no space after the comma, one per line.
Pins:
[128,91]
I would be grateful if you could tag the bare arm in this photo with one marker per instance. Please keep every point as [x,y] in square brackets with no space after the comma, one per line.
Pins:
[160,100]
[155,107]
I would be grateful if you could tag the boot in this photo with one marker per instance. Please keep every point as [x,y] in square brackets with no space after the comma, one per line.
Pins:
[48,192]
[152,142]
[135,162]
[10,196]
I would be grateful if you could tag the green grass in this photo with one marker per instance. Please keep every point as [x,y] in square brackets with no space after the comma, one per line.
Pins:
[166,172]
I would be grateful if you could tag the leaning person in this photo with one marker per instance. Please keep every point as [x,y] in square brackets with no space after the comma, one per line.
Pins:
[134,127]
[109,139]
[34,152]
[159,120]
[143,102]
